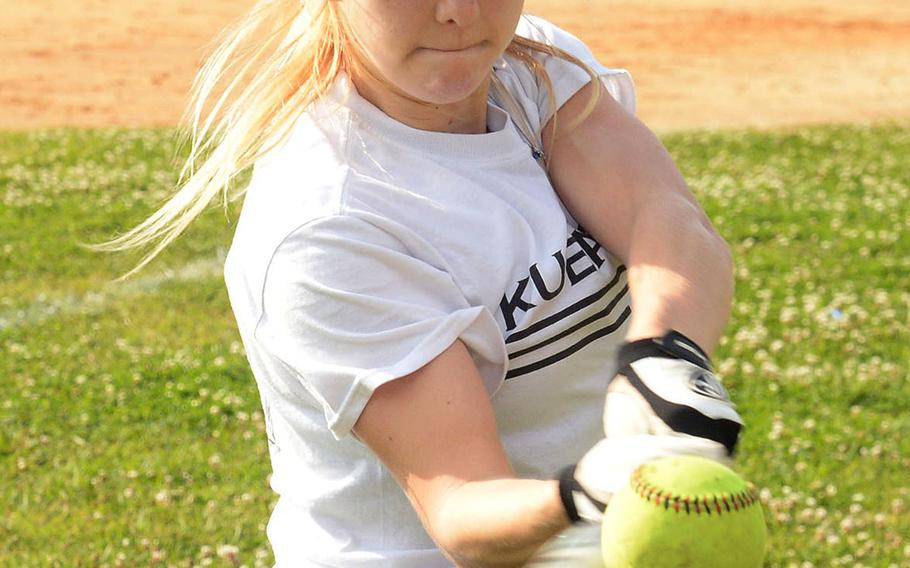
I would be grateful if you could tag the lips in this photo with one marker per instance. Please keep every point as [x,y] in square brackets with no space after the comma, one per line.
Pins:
[456,49]
[448,50]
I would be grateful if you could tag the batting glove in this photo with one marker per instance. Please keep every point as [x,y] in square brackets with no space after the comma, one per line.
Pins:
[665,386]
[586,487]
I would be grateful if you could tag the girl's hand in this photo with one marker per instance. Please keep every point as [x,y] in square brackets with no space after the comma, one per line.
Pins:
[665,386]
[586,487]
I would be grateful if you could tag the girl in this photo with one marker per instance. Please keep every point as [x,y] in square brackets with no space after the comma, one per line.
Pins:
[451,213]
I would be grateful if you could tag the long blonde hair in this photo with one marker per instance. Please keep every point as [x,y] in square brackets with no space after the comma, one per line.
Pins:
[267,68]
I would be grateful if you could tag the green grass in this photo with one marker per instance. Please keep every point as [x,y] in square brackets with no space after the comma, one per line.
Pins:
[130,431]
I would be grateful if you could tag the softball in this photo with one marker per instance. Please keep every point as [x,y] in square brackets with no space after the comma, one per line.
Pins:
[684,511]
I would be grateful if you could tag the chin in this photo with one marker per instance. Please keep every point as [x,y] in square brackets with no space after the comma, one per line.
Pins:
[449,89]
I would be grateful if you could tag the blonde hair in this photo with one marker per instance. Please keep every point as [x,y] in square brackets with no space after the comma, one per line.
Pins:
[267,68]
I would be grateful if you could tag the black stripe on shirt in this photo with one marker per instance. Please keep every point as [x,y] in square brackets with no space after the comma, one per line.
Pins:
[577,306]
[585,322]
[546,362]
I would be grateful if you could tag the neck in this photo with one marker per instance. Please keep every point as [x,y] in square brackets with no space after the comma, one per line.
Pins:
[468,116]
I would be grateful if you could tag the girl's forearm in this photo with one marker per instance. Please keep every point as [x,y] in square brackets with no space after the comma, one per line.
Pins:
[499,523]
[680,274]
[621,184]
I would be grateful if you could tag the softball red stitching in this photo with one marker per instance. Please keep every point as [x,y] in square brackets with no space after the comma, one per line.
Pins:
[717,503]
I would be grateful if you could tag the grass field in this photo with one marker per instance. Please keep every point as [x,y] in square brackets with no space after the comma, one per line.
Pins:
[129,425]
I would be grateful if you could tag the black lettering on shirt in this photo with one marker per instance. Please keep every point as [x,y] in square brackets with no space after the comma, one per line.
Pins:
[581,263]
[539,283]
[509,305]
[576,277]
[586,242]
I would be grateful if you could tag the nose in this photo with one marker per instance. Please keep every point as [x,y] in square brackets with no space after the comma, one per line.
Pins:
[458,12]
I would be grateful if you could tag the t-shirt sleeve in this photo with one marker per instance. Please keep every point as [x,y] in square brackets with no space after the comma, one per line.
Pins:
[347,307]
[567,77]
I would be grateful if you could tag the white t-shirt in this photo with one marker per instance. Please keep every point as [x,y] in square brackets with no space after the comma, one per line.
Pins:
[364,249]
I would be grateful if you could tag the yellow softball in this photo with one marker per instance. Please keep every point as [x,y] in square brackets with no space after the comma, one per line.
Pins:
[684,512]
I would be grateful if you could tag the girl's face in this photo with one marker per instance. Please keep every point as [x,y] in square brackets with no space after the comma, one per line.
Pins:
[436,51]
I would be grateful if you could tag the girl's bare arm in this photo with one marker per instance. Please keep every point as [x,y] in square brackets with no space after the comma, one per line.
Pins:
[621,184]
[436,432]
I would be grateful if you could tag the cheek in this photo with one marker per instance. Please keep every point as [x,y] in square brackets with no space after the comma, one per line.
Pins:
[506,14]
[386,40]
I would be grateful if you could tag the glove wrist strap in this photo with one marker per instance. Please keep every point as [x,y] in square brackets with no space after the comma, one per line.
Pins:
[673,345]
[566,487]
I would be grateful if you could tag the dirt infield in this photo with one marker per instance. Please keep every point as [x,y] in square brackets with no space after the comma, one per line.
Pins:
[697,63]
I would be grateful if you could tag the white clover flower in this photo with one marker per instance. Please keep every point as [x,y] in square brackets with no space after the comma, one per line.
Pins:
[228,552]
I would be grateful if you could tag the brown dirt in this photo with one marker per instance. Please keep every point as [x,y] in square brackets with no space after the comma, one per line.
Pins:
[697,63]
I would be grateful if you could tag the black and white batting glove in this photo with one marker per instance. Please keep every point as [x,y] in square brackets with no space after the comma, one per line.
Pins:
[665,386]
[586,487]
